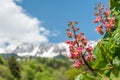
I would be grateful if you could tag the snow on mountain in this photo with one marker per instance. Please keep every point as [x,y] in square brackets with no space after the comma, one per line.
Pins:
[48,50]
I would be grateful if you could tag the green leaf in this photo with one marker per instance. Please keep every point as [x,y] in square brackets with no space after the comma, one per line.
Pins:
[116,63]
[101,61]
[115,4]
[107,72]
[115,73]
[106,78]
[116,13]
[84,77]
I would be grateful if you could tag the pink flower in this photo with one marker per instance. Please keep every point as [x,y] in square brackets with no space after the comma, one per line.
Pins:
[99,29]
[79,37]
[71,43]
[71,55]
[88,57]
[113,19]
[107,12]
[70,48]
[69,34]
[84,41]
[98,19]
[79,49]
[89,49]
[106,24]
[77,64]
[67,41]
[75,55]
[112,22]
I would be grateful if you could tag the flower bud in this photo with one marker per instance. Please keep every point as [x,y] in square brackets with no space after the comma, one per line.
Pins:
[69,34]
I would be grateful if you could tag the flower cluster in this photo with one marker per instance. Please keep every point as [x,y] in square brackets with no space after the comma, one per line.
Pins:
[80,52]
[105,20]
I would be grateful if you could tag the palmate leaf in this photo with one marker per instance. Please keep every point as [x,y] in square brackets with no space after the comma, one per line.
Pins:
[100,58]
[108,48]
[116,39]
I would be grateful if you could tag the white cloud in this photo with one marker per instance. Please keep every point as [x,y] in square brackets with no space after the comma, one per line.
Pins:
[16,26]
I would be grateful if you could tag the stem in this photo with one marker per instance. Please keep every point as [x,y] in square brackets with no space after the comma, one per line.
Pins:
[75,35]
[107,68]
[89,67]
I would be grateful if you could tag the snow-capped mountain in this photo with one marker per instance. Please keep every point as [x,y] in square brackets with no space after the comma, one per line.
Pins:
[48,50]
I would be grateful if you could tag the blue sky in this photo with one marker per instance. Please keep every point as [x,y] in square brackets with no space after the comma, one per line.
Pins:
[45,20]
[55,15]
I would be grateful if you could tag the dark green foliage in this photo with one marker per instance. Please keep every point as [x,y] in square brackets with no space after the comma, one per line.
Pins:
[1,60]
[115,4]
[5,73]
[36,69]
[14,67]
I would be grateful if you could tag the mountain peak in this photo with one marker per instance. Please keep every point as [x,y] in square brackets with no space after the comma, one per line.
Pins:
[48,50]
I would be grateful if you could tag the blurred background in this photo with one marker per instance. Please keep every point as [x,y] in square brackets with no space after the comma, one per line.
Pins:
[32,36]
